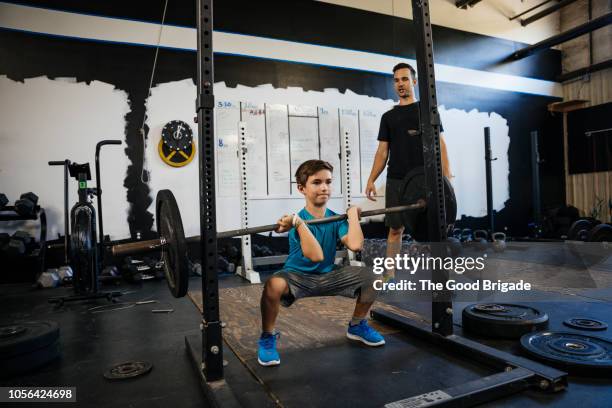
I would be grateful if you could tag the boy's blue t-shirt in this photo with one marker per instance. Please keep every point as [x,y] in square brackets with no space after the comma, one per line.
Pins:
[327,234]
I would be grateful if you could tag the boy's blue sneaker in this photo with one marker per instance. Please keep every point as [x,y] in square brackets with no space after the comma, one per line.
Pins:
[266,352]
[365,334]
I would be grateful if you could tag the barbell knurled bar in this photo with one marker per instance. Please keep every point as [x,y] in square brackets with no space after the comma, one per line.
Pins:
[155,244]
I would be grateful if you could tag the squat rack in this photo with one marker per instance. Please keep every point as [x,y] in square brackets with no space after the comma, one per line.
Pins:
[516,373]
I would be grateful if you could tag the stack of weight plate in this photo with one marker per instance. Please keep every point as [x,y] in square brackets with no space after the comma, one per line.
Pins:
[25,346]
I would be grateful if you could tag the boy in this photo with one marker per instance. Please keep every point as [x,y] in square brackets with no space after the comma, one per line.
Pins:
[310,270]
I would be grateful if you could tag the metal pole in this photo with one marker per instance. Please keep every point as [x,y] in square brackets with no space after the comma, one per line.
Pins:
[535,179]
[488,160]
[99,187]
[442,320]
[212,342]
[66,213]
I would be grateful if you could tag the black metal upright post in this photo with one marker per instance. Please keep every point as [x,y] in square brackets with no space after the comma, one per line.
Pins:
[442,319]
[66,214]
[212,342]
[488,160]
[99,146]
[535,180]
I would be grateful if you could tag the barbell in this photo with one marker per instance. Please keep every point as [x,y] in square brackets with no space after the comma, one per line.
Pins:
[173,244]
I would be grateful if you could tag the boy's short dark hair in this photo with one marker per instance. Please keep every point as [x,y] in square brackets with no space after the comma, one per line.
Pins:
[402,65]
[310,167]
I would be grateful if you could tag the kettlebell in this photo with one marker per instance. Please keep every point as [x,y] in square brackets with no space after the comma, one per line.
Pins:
[499,241]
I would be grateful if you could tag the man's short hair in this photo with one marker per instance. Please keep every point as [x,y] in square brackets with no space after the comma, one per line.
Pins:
[310,167]
[405,65]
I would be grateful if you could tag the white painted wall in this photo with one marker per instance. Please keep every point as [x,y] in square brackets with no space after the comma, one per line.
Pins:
[463,133]
[44,120]
[489,17]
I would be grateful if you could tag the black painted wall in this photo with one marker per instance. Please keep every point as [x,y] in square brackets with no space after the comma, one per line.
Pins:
[128,67]
[589,139]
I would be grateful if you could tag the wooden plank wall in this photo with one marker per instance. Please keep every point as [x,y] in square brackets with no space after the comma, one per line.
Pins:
[582,190]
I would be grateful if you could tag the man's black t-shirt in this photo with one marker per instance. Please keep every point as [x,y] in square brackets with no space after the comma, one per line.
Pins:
[400,128]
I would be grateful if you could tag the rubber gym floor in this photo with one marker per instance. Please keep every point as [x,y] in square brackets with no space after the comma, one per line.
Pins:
[340,374]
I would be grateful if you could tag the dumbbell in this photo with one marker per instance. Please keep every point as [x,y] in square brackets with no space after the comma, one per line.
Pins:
[457,233]
[49,279]
[65,274]
[266,251]
[481,239]
[499,241]
[466,235]
[18,243]
[232,251]
[110,274]
[196,268]
[3,201]
[134,268]
[26,204]
[224,265]
[454,246]
[257,250]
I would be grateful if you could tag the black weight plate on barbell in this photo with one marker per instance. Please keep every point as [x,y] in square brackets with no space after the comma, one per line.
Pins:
[600,233]
[502,320]
[174,251]
[585,323]
[575,353]
[23,337]
[573,234]
[129,369]
[414,189]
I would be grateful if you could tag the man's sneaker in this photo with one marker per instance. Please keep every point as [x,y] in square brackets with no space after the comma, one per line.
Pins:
[365,334]
[266,352]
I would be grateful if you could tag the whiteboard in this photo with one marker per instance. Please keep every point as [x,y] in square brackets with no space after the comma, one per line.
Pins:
[303,142]
[281,137]
[369,123]
[227,116]
[329,135]
[253,115]
[277,126]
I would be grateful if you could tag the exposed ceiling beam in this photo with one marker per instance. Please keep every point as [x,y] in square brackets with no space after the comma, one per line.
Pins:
[464,4]
[546,12]
[529,10]
[565,36]
[584,71]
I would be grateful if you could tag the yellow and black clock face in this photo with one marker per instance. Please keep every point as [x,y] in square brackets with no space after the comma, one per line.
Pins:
[176,146]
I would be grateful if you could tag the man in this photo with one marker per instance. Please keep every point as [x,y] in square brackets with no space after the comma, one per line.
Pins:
[399,141]
[310,270]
